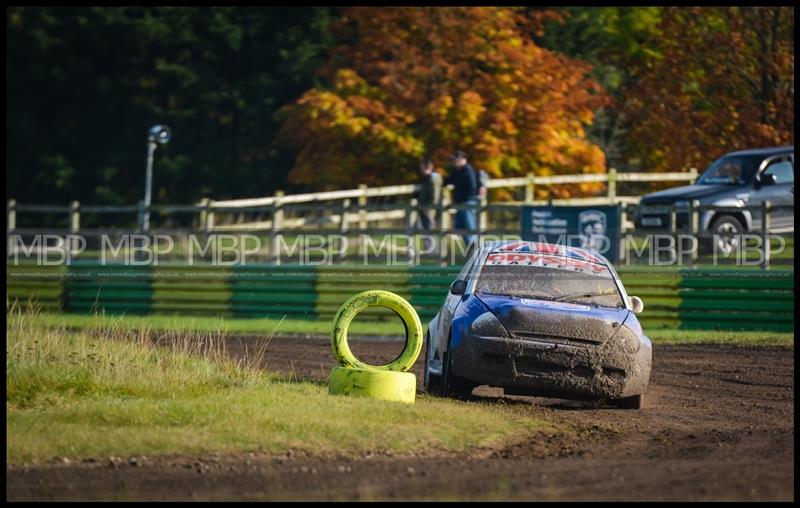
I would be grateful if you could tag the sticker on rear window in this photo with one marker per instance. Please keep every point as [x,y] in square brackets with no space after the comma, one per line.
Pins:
[546,261]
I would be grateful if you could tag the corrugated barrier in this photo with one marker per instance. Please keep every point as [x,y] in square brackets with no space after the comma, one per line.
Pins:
[688,299]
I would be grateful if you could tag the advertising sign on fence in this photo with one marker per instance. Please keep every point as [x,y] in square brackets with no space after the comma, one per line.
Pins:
[589,227]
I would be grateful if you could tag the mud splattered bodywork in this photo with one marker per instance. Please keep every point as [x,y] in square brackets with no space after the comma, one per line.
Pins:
[538,344]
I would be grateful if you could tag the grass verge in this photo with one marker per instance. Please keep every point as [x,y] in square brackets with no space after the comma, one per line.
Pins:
[742,338]
[111,391]
[255,326]
[390,328]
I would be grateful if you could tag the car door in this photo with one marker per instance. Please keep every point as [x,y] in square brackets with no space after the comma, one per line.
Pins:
[779,194]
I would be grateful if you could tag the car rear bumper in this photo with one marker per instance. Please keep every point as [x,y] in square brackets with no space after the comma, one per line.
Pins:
[589,371]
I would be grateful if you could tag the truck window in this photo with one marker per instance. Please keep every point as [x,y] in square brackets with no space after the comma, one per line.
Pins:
[783,171]
[734,170]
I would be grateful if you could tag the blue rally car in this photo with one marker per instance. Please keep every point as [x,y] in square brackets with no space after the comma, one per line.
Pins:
[539,319]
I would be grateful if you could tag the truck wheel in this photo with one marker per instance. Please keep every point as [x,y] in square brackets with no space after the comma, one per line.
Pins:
[724,231]
[634,402]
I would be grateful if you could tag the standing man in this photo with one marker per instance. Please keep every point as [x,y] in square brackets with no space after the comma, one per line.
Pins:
[465,193]
[428,194]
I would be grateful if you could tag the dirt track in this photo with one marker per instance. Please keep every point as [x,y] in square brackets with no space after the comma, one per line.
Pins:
[718,424]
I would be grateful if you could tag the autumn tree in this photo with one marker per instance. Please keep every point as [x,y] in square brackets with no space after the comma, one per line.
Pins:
[410,82]
[724,81]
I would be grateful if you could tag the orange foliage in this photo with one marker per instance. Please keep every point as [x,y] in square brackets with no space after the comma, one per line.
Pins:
[420,81]
[724,82]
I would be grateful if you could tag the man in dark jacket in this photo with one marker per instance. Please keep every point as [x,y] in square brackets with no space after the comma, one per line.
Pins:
[465,193]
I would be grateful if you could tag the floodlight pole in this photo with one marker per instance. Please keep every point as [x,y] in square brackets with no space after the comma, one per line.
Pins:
[151,148]
[158,134]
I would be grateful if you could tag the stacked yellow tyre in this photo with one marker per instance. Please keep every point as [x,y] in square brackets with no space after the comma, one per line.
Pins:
[387,382]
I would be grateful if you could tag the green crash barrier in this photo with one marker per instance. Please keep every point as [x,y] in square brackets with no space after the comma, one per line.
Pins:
[391,381]
[705,298]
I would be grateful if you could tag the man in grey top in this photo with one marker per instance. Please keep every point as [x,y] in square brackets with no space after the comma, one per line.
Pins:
[428,194]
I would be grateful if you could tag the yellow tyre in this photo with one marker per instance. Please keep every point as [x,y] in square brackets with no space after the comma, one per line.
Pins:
[376,384]
[377,298]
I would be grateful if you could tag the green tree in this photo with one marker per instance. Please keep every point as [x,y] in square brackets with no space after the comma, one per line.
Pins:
[611,39]
[85,84]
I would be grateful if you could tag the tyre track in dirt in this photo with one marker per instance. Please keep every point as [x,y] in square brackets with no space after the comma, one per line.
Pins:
[718,424]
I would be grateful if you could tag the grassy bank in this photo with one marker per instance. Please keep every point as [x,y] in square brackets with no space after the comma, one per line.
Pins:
[108,391]
[390,328]
[744,338]
[256,326]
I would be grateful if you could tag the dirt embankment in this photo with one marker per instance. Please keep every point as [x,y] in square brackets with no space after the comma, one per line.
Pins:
[718,423]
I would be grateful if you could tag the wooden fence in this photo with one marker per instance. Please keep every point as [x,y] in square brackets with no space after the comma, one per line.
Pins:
[360,213]
[338,208]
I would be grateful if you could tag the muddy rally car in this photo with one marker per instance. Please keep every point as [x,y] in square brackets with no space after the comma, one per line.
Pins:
[539,319]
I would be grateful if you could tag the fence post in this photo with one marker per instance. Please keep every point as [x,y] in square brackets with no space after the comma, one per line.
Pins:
[411,226]
[206,219]
[477,211]
[362,218]
[444,223]
[765,225]
[74,226]
[343,217]
[74,216]
[612,184]
[411,215]
[11,225]
[673,229]
[483,218]
[529,188]
[210,216]
[277,224]
[201,221]
[11,210]
[623,218]
[694,229]
[142,226]
[693,173]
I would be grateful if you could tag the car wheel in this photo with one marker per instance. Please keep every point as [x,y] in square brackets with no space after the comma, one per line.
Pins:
[634,402]
[725,232]
[432,382]
[452,385]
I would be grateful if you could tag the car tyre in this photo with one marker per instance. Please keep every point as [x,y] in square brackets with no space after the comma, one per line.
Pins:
[634,402]
[452,385]
[432,382]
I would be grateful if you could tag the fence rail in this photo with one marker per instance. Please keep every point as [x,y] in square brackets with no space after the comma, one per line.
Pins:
[206,211]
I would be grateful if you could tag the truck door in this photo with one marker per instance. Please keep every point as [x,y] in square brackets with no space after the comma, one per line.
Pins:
[781,193]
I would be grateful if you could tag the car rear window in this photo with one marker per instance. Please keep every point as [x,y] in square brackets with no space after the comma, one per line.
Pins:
[549,278]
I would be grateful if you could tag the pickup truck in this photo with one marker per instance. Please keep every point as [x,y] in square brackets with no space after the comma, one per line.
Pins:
[743,180]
